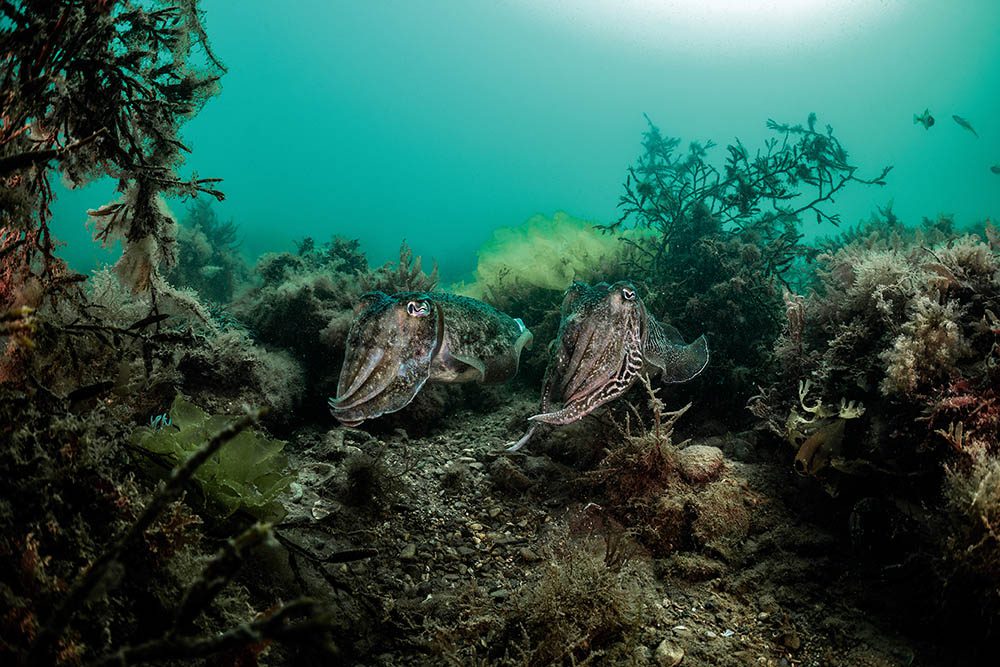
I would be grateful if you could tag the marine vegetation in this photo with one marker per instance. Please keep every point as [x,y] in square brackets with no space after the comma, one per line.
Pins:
[721,244]
[248,474]
[605,340]
[887,391]
[399,342]
[208,259]
[90,92]
[545,254]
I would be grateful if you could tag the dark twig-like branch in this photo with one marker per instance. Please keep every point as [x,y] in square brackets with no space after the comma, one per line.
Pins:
[47,639]
[12,163]
[301,620]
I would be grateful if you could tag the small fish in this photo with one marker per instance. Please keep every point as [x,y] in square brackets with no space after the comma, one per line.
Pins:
[925,119]
[995,169]
[965,124]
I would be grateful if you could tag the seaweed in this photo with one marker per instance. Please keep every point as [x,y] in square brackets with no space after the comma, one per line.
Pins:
[207,258]
[722,243]
[90,92]
[249,474]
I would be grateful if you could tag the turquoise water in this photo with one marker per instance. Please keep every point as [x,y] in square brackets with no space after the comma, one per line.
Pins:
[440,121]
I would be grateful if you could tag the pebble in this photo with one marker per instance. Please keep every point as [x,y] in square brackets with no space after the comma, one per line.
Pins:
[529,555]
[409,552]
[668,654]
[700,463]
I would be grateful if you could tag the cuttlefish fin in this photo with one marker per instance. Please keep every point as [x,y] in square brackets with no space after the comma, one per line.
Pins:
[473,361]
[680,362]
[523,340]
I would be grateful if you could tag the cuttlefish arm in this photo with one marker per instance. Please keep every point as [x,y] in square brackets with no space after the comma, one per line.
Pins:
[390,349]
[604,386]
[667,351]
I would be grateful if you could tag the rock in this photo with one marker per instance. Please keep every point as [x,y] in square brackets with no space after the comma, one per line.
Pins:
[668,654]
[700,463]
[508,477]
[409,552]
[529,555]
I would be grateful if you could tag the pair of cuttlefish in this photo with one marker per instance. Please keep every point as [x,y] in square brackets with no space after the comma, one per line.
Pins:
[606,338]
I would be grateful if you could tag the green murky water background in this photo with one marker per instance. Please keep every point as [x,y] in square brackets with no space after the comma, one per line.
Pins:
[441,121]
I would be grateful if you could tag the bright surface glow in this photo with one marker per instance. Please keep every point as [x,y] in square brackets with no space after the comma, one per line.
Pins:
[724,26]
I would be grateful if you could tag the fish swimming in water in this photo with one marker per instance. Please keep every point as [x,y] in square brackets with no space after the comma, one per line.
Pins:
[398,343]
[606,339]
[965,124]
[925,119]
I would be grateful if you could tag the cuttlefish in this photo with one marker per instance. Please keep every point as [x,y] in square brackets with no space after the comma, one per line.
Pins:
[606,339]
[398,343]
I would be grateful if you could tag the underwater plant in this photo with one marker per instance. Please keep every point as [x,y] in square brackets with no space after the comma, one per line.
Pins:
[248,474]
[102,568]
[207,257]
[90,92]
[545,254]
[900,329]
[722,243]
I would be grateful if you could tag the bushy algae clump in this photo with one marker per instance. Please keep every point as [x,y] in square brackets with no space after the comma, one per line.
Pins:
[900,329]
[248,473]
[208,259]
[543,254]
[721,243]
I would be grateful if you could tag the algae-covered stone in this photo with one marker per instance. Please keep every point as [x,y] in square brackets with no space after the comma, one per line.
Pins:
[700,463]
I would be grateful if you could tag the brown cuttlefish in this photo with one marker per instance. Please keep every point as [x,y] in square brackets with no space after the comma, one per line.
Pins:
[606,339]
[398,343]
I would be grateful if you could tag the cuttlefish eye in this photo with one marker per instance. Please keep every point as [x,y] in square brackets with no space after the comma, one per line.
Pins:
[418,308]
[628,293]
